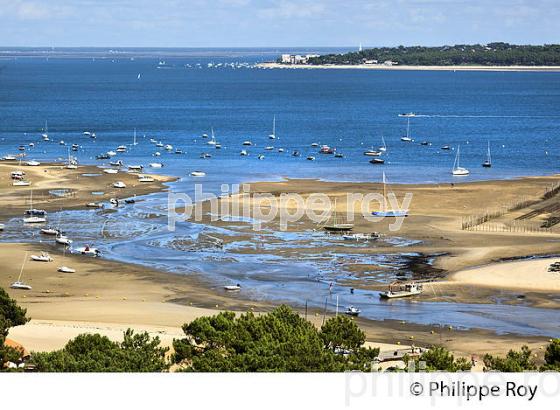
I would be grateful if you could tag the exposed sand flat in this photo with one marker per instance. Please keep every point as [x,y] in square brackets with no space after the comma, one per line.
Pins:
[383,67]
[528,275]
[78,187]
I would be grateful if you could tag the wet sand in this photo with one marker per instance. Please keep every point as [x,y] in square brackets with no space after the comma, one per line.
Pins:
[109,297]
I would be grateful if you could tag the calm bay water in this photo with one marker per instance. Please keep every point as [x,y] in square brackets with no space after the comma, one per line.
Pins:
[350,110]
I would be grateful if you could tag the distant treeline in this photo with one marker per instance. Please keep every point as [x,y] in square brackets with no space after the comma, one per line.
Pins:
[498,54]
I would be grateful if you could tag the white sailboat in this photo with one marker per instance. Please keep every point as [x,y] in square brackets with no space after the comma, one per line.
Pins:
[407,138]
[45,134]
[34,216]
[488,162]
[213,139]
[72,163]
[64,268]
[383,148]
[273,135]
[18,284]
[457,169]
[386,212]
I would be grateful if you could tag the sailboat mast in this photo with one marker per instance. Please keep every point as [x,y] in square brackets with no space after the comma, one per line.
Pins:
[384,194]
[22,266]
[408,127]
[489,158]
[274,125]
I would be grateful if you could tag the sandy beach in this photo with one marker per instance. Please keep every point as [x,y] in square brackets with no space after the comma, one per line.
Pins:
[382,67]
[108,297]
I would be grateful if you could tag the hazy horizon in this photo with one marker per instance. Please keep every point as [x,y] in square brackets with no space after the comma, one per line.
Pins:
[274,23]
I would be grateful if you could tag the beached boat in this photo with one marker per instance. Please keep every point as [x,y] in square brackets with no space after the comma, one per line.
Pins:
[110,171]
[63,240]
[50,231]
[119,184]
[361,237]
[32,163]
[88,251]
[402,290]
[32,215]
[198,174]
[385,211]
[94,205]
[232,288]
[118,163]
[352,311]
[488,162]
[457,169]
[135,167]
[43,257]
[335,226]
[145,178]
[66,269]
[21,183]
[18,284]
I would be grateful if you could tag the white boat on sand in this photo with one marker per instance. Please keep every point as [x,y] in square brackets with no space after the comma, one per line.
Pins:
[402,290]
[43,257]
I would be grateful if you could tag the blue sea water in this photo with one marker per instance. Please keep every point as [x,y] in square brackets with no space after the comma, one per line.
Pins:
[518,112]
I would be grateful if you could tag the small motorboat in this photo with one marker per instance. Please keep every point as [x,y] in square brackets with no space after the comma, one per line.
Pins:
[361,237]
[198,174]
[325,149]
[121,148]
[205,155]
[169,147]
[243,153]
[407,115]
[180,151]
[63,240]
[111,153]
[425,143]
[377,161]
[260,157]
[339,155]
[218,146]
[352,311]
[130,201]
[296,154]
[136,167]
[117,163]
[311,158]
[119,184]
[35,220]
[247,143]
[43,257]
[88,251]
[314,145]
[20,286]
[269,148]
[145,178]
[62,142]
[401,290]
[280,149]
[75,147]
[159,144]
[232,288]
[110,171]
[94,205]
[156,165]
[32,163]
[21,183]
[50,231]
[66,269]
[446,148]
[372,153]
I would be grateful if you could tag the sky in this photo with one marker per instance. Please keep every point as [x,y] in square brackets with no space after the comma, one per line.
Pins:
[275,23]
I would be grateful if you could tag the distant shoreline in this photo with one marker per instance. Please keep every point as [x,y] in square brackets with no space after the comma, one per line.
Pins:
[412,68]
